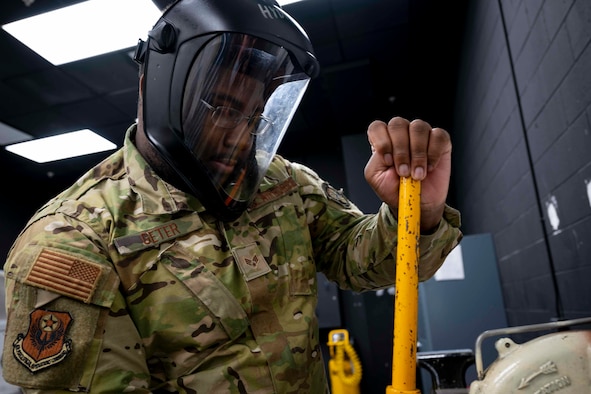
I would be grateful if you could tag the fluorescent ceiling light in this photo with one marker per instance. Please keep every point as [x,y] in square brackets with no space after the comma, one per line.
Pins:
[284,2]
[62,146]
[86,29]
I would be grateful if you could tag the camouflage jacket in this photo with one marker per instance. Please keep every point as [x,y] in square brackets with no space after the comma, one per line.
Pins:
[123,283]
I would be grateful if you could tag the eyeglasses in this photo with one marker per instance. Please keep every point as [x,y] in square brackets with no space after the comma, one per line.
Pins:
[229,118]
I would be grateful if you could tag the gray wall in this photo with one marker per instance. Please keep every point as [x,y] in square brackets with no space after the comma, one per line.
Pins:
[522,144]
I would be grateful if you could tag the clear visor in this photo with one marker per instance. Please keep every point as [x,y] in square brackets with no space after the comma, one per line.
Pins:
[239,98]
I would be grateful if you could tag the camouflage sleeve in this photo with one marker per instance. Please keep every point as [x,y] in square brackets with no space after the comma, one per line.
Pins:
[67,326]
[435,247]
[358,251]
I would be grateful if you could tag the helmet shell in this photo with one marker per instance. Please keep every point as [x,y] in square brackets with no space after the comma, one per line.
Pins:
[177,38]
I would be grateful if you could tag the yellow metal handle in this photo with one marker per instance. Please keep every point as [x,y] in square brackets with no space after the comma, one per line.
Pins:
[404,360]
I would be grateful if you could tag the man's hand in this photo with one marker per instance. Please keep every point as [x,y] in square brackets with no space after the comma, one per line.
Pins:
[402,148]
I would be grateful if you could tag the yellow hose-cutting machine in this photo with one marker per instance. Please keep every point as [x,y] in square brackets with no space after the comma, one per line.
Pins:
[344,365]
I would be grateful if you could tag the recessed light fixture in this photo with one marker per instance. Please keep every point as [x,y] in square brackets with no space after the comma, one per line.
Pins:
[86,29]
[62,146]
[285,2]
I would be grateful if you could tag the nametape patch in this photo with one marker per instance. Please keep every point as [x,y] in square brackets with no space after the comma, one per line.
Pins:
[65,274]
[154,236]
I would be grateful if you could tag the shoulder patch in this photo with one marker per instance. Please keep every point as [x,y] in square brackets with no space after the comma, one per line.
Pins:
[64,274]
[45,343]
[335,195]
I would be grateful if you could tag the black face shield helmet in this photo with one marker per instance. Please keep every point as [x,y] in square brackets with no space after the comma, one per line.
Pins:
[221,82]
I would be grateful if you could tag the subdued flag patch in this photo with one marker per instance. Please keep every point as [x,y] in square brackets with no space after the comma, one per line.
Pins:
[64,274]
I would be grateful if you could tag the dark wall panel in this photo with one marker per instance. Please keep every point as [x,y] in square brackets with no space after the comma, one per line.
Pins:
[523,126]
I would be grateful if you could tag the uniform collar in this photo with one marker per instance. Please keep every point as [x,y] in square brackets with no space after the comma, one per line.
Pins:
[156,195]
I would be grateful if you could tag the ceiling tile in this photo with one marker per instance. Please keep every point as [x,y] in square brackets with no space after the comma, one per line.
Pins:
[10,135]
[107,73]
[92,113]
[52,86]
[359,17]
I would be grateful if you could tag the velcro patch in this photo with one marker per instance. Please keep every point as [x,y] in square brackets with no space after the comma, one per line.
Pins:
[64,274]
[277,191]
[251,261]
[335,195]
[45,343]
[152,237]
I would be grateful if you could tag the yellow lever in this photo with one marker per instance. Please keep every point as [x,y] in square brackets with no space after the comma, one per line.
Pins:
[404,360]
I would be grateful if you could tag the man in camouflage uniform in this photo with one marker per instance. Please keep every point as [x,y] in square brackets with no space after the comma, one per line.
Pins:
[186,262]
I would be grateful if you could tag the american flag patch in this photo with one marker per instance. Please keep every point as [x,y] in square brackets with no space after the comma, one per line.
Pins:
[64,274]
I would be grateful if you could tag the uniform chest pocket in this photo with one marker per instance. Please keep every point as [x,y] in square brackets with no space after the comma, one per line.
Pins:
[214,296]
[285,242]
[182,308]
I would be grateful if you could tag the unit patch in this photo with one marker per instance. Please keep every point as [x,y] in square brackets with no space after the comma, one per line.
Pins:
[45,343]
[335,195]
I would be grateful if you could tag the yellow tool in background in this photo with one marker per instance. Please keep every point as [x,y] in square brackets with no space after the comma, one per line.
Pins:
[406,304]
[344,365]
